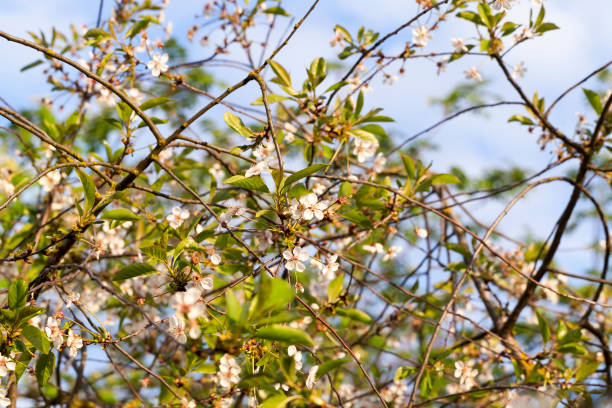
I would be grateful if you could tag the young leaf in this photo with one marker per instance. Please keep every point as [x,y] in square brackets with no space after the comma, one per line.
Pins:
[283,76]
[89,187]
[284,334]
[234,309]
[37,338]
[134,270]
[236,124]
[44,367]
[522,119]
[594,100]
[544,328]
[334,288]
[330,365]
[273,294]
[354,314]
[151,103]
[444,179]
[298,175]
[18,294]
[120,214]
[254,183]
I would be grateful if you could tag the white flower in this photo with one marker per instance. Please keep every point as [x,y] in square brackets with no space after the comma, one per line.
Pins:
[229,371]
[177,329]
[465,373]
[206,284]
[185,403]
[6,187]
[472,73]
[294,259]
[392,252]
[519,70]
[74,342]
[177,216]
[136,95]
[6,365]
[285,387]
[365,148]
[441,64]
[505,4]
[215,258]
[292,351]
[72,298]
[50,180]
[421,232]
[421,35]
[106,97]
[217,172]
[54,333]
[459,45]
[311,380]
[264,151]
[328,271]
[379,163]
[158,64]
[312,207]
[4,402]
[377,248]
[187,304]
[257,169]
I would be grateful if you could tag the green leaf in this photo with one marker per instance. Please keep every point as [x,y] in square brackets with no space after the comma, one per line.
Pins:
[544,328]
[236,124]
[29,312]
[522,119]
[283,76]
[137,27]
[354,314]
[134,270]
[586,370]
[37,338]
[18,294]
[22,363]
[484,12]
[346,189]
[272,98]
[234,309]
[328,366]
[96,33]
[151,103]
[298,175]
[273,294]
[335,287]
[546,27]
[279,401]
[444,179]
[284,334]
[276,10]
[44,368]
[594,100]
[254,183]
[120,214]
[31,65]
[409,166]
[470,16]
[89,187]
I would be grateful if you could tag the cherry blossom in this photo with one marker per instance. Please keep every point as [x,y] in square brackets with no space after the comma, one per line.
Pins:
[295,258]
[177,329]
[74,342]
[157,64]
[177,216]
